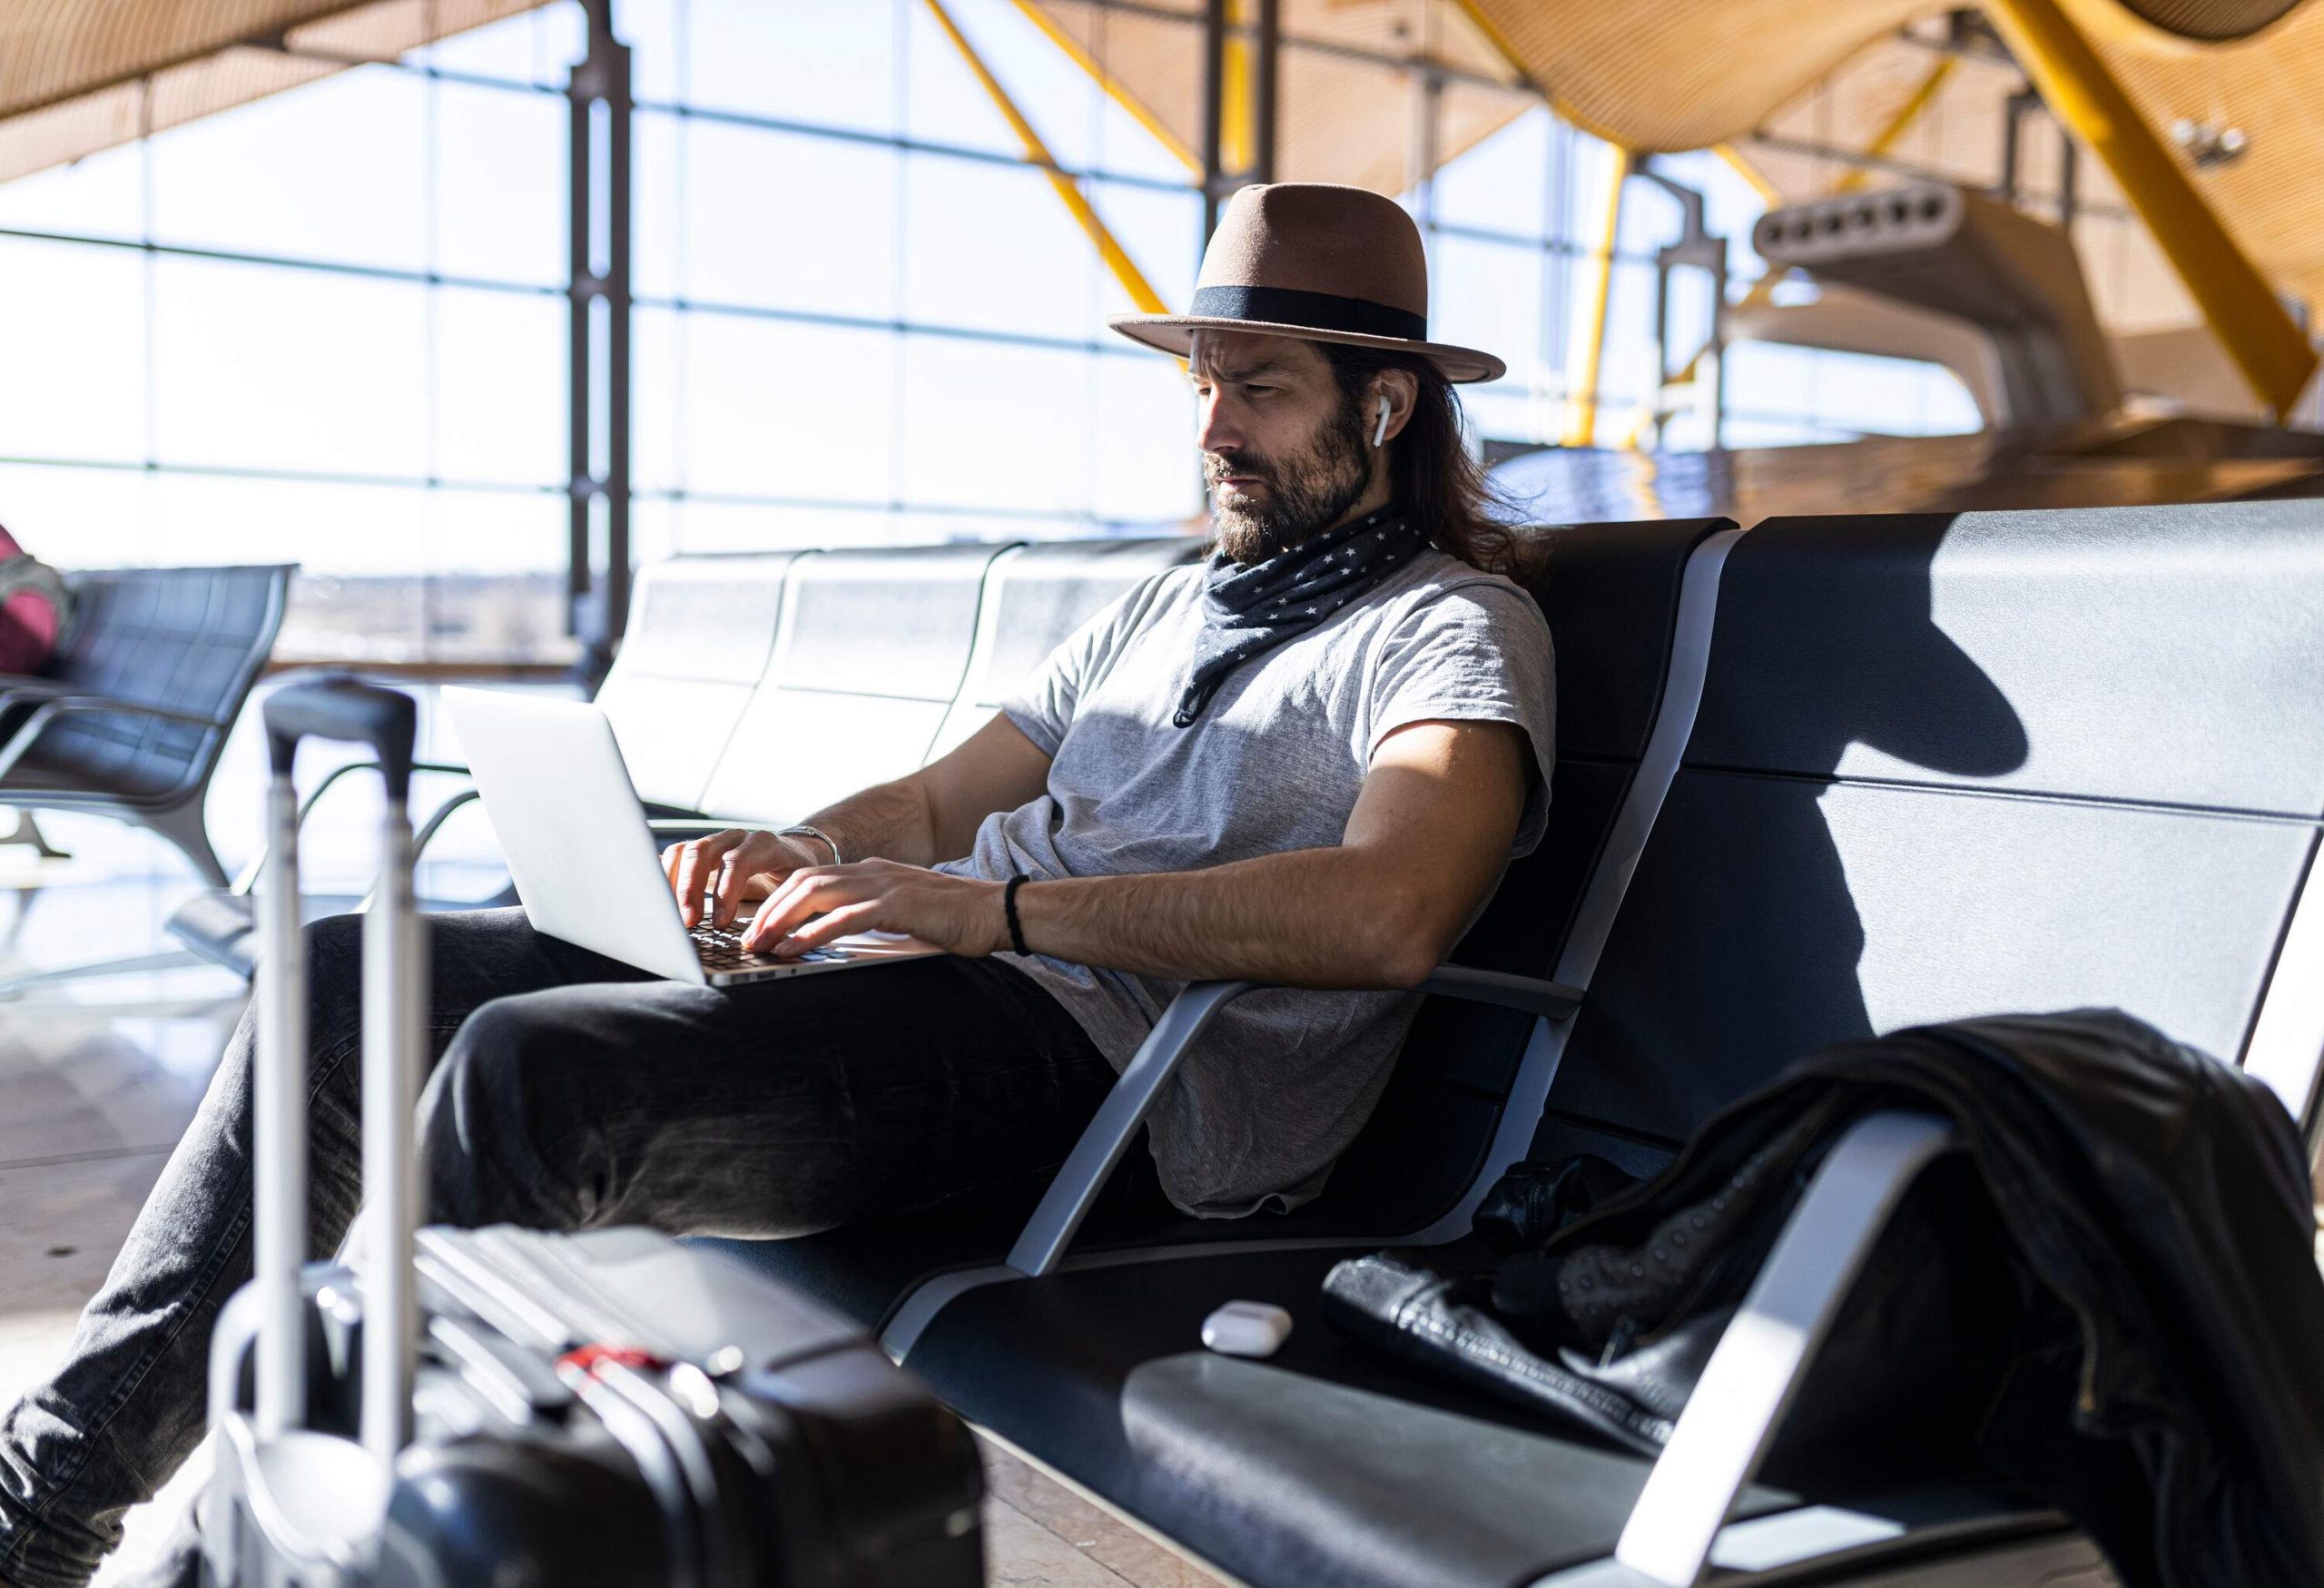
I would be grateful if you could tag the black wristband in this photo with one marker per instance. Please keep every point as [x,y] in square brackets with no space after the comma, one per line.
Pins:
[1008,905]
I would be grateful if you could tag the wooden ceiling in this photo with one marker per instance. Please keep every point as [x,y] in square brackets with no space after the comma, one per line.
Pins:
[1765,75]
[81,75]
[1673,74]
[1343,119]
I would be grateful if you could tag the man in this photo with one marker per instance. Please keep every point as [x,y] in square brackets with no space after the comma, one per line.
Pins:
[1305,762]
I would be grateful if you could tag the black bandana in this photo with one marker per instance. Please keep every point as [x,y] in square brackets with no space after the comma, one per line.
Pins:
[1247,611]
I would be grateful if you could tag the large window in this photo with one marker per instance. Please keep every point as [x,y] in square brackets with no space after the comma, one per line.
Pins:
[329,327]
[325,328]
[862,316]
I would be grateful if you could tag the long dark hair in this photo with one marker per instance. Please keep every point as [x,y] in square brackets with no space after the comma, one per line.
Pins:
[1430,471]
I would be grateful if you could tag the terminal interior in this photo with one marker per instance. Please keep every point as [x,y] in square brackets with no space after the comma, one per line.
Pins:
[739,365]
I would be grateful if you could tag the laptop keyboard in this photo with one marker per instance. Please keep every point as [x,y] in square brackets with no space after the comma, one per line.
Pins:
[720,949]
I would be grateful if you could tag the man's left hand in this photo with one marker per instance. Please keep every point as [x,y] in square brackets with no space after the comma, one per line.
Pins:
[963,915]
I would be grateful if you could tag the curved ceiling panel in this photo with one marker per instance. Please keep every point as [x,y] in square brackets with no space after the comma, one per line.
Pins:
[1679,74]
[54,50]
[81,75]
[1345,115]
[2264,87]
[2210,21]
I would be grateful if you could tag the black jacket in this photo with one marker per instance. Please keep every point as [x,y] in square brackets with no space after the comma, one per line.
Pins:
[2153,1349]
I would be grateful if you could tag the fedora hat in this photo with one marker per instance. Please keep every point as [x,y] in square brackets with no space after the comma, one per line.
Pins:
[1320,262]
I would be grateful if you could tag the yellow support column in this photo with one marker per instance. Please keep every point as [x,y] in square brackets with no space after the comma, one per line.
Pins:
[1915,105]
[1118,260]
[2254,327]
[1768,194]
[1582,364]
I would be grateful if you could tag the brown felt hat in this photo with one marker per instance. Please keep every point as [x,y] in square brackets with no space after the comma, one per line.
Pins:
[1316,262]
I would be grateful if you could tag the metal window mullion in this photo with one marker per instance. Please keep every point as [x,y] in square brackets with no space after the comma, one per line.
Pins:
[902,143]
[597,601]
[1266,65]
[579,289]
[286,263]
[1213,113]
[892,504]
[617,396]
[285,476]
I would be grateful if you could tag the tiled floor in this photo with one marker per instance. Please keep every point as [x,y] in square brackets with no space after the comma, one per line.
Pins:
[98,1077]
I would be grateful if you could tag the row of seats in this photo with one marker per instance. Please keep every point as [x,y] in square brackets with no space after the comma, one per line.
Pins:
[763,686]
[1817,780]
[1610,594]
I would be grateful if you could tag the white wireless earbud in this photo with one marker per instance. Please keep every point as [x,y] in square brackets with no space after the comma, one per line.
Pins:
[1380,430]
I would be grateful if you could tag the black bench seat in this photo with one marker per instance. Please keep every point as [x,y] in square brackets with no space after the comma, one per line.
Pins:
[1328,1464]
[1938,766]
[1612,596]
[131,715]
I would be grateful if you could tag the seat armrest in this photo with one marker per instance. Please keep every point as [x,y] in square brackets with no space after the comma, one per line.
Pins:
[248,879]
[29,685]
[1549,999]
[1114,1126]
[1760,1361]
[1074,1189]
[54,700]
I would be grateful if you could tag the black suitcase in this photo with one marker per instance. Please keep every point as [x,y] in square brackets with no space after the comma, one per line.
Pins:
[507,1409]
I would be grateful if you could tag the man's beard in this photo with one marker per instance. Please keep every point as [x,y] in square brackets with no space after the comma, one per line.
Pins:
[1298,496]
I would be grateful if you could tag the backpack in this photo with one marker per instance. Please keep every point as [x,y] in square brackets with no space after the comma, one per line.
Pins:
[35,609]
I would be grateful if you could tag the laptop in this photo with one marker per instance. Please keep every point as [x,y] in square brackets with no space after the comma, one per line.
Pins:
[584,862]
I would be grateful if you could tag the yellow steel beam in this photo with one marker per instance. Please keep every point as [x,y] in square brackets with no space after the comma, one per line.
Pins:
[1915,103]
[2258,332]
[1582,361]
[1769,195]
[1038,15]
[1125,269]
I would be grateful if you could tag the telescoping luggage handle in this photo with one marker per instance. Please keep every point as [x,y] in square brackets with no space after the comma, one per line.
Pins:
[394,999]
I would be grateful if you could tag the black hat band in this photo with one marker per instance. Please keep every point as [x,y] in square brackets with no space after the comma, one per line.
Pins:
[1311,311]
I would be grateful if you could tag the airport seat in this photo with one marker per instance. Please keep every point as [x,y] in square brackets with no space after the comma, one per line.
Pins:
[1937,767]
[1611,594]
[130,716]
[892,655]
[708,636]
[869,656]
[701,630]
[1035,596]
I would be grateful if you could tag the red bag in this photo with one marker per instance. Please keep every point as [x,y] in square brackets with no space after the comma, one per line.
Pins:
[32,608]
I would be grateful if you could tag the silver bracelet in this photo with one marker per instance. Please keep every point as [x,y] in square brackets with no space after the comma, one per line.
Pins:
[827,841]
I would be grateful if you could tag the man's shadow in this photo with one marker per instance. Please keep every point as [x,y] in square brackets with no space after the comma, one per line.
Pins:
[1737,946]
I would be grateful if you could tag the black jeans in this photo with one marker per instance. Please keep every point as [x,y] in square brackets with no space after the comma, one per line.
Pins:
[567,1091]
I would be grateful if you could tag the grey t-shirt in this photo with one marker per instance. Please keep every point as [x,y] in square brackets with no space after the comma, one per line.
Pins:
[1284,1079]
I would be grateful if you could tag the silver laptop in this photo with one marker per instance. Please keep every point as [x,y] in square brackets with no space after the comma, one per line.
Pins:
[583,860]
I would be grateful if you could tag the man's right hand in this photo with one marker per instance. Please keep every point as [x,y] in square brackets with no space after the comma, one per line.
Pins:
[714,876]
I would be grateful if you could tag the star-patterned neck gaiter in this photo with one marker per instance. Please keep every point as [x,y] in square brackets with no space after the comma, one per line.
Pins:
[1247,611]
